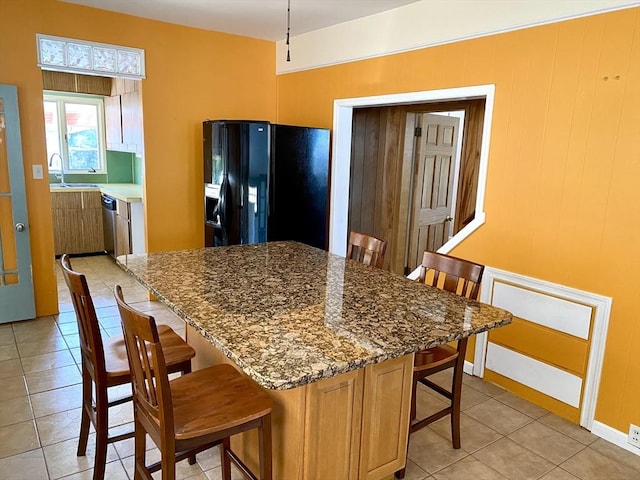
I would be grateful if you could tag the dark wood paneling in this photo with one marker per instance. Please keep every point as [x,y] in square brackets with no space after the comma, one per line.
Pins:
[71,82]
[376,191]
[370,169]
[92,84]
[58,81]
[470,163]
[357,167]
[389,187]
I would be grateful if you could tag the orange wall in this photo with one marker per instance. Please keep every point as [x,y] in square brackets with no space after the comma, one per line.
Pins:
[561,202]
[562,199]
[192,75]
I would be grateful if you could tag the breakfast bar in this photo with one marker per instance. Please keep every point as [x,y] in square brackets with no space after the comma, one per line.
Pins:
[331,340]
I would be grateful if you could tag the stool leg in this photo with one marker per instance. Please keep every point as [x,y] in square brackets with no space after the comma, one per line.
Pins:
[140,445]
[456,393]
[414,409]
[85,419]
[264,436]
[225,462]
[187,369]
[168,466]
[102,431]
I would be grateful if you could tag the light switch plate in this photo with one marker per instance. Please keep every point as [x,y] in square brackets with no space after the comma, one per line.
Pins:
[37,172]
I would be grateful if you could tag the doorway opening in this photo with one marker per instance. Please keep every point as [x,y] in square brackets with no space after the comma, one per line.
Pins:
[375,176]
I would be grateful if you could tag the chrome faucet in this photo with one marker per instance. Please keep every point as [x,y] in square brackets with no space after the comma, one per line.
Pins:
[59,176]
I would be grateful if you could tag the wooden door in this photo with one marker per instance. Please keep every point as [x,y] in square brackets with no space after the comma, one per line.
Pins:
[433,186]
[123,229]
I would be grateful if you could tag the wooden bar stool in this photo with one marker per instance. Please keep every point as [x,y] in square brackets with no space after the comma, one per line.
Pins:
[366,249]
[105,364]
[193,412]
[461,277]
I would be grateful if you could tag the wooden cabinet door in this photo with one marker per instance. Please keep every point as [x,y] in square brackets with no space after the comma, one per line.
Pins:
[132,121]
[385,417]
[67,231]
[77,222]
[66,200]
[332,426]
[123,237]
[92,227]
[123,228]
[67,222]
[113,121]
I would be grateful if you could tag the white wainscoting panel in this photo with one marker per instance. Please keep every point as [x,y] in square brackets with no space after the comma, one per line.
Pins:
[563,315]
[598,305]
[540,376]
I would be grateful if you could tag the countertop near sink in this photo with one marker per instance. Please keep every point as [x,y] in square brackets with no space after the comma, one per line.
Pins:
[127,192]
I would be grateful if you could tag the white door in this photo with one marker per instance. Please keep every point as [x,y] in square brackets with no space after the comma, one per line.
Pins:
[433,186]
[16,283]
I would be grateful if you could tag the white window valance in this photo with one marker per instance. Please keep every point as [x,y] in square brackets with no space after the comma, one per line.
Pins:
[79,56]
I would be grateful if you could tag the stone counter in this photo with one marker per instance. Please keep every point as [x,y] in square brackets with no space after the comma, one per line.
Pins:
[289,314]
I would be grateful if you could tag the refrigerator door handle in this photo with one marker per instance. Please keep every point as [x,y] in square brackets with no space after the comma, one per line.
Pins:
[222,208]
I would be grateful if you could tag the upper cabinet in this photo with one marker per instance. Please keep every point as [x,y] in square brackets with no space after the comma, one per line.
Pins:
[113,121]
[122,105]
[123,116]
[131,107]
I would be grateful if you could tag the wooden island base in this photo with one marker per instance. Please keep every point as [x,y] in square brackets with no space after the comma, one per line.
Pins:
[352,426]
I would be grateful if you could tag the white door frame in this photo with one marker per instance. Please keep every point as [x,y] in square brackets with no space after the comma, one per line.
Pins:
[341,155]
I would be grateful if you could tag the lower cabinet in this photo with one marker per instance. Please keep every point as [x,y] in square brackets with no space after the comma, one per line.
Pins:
[353,426]
[385,417]
[123,228]
[77,222]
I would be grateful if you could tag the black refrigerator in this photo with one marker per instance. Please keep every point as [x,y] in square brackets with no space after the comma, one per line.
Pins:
[265,182]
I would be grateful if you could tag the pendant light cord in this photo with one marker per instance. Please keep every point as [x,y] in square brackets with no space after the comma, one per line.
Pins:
[288,28]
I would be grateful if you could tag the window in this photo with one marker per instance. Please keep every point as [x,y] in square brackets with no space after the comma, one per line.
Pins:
[74,128]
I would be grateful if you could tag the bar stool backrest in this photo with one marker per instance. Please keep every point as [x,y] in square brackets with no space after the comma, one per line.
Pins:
[91,346]
[366,249]
[150,379]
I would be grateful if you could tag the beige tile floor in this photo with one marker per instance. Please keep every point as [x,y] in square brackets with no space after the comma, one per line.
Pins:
[503,436]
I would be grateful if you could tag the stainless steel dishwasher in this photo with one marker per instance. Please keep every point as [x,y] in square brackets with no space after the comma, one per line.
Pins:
[109,223]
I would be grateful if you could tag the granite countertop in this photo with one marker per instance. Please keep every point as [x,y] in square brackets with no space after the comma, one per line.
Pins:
[127,192]
[289,314]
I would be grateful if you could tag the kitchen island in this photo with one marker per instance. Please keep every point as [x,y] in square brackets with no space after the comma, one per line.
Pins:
[330,339]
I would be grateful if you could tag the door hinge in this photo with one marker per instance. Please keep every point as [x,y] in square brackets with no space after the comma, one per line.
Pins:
[418,132]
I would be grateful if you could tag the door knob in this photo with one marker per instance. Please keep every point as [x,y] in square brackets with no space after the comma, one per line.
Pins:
[448,219]
[20,227]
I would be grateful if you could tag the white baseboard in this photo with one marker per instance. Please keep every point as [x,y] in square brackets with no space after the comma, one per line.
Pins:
[468,367]
[614,436]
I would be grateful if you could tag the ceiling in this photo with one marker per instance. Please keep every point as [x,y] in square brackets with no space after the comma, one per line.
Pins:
[266,19]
